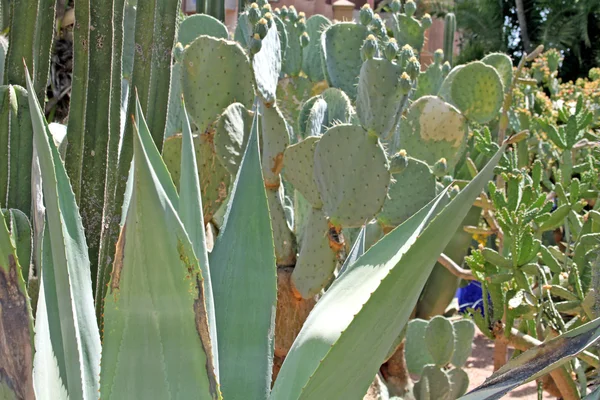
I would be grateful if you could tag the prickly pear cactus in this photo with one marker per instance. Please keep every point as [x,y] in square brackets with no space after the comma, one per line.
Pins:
[292,93]
[214,178]
[298,163]
[431,347]
[312,60]
[201,74]
[503,65]
[434,129]
[380,94]
[316,261]
[434,384]
[407,29]
[477,91]
[231,136]
[275,139]
[267,65]
[402,202]
[351,172]
[295,26]
[341,45]
[430,81]
[200,24]
[321,112]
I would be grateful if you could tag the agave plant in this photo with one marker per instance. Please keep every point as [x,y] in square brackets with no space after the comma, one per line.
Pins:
[179,252]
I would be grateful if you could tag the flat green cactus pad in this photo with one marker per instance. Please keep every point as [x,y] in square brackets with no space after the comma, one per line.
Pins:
[298,164]
[304,114]
[407,30]
[478,92]
[292,63]
[267,65]
[231,136]
[275,139]
[410,191]
[503,65]
[283,239]
[292,93]
[351,172]
[243,31]
[445,91]
[175,110]
[434,384]
[464,332]
[379,95]
[316,261]
[200,24]
[439,338]
[321,112]
[315,123]
[283,36]
[434,129]
[459,382]
[415,351]
[214,178]
[207,85]
[430,81]
[341,45]
[312,63]
[339,107]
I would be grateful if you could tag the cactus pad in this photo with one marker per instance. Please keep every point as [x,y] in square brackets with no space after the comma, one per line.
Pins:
[464,332]
[434,129]
[434,384]
[200,24]
[304,114]
[351,172]
[267,65]
[283,36]
[478,92]
[214,178]
[439,338]
[430,81]
[503,66]
[379,95]
[312,63]
[243,31]
[207,88]
[175,109]
[292,63]
[315,123]
[292,93]
[283,239]
[231,136]
[408,30]
[298,164]
[339,107]
[416,353]
[410,191]
[316,261]
[275,139]
[341,45]
[445,91]
[459,382]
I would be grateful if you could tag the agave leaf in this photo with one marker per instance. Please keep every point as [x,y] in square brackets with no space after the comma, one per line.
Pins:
[537,362]
[190,212]
[336,354]
[16,323]
[154,314]
[73,317]
[47,379]
[242,266]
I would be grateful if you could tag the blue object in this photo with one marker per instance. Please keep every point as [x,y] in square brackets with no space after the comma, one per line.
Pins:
[471,296]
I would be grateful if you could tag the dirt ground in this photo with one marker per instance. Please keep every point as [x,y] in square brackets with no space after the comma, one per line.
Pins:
[480,365]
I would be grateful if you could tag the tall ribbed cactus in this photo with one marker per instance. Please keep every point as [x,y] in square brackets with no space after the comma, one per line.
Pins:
[449,32]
